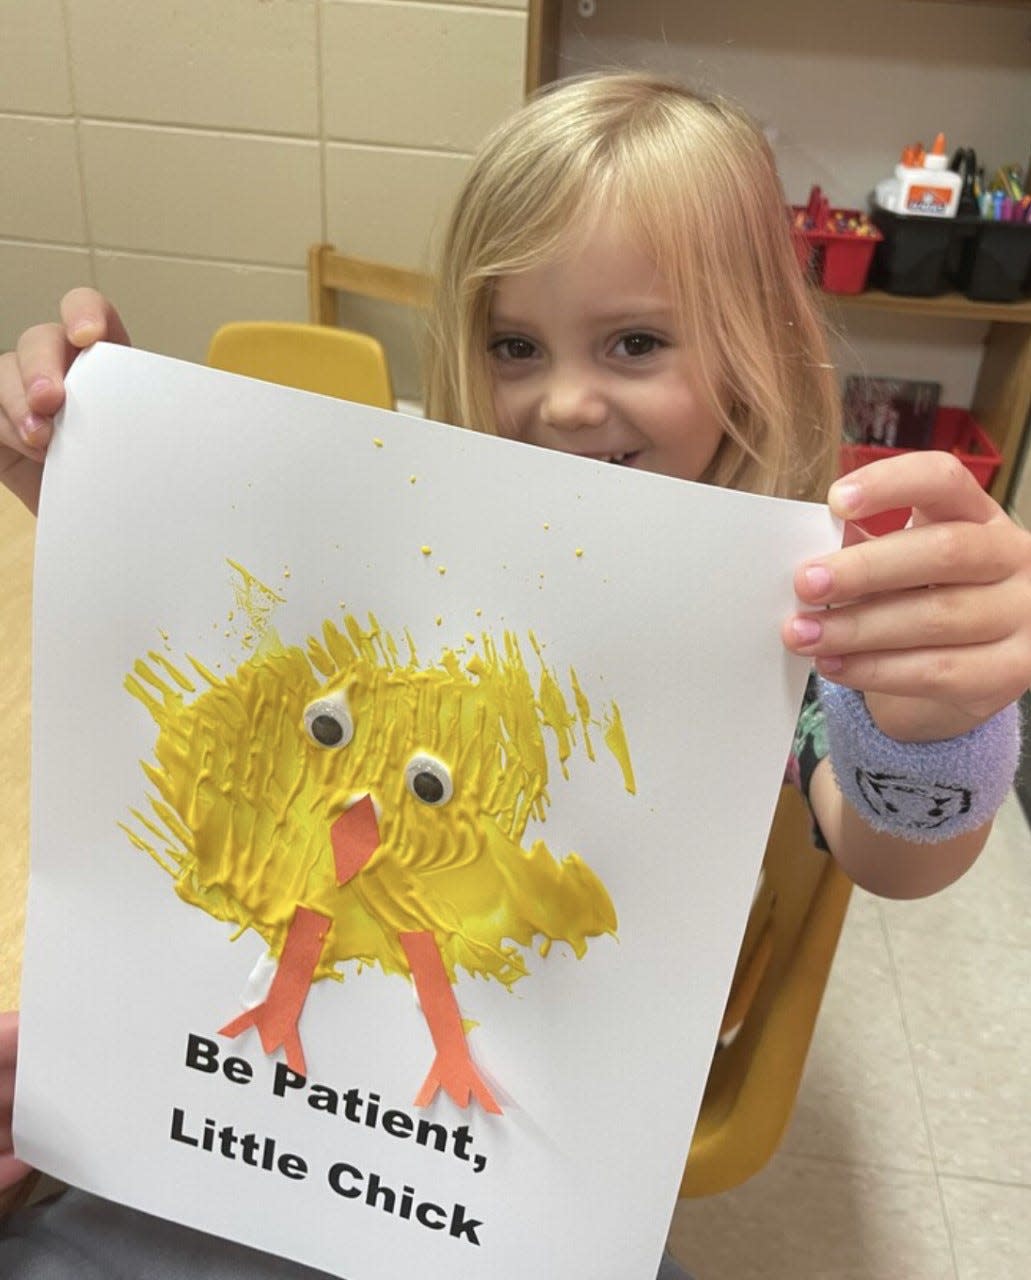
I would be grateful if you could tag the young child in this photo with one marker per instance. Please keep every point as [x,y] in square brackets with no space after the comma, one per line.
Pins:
[619,282]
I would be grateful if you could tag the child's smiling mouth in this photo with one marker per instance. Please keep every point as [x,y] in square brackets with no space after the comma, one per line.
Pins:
[619,459]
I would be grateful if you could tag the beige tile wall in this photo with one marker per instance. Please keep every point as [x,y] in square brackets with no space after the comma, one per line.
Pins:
[182,155]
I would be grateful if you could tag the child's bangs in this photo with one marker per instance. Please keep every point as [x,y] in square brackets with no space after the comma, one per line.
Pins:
[664,222]
[548,217]
[649,186]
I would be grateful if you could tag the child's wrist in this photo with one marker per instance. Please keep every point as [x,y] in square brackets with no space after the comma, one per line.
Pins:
[921,791]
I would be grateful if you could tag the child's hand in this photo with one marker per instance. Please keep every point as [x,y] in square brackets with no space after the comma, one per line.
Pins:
[32,384]
[12,1170]
[932,623]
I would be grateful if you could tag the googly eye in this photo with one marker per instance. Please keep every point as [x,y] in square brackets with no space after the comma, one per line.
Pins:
[328,722]
[429,781]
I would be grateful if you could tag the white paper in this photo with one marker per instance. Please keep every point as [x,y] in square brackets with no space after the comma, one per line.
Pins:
[665,597]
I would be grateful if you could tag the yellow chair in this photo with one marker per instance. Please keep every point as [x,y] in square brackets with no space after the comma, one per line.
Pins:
[312,357]
[782,970]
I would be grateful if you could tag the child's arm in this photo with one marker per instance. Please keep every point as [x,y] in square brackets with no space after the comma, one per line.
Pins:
[932,625]
[12,1170]
[32,384]
[882,863]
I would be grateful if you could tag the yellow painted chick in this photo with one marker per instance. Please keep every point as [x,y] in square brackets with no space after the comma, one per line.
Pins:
[350,804]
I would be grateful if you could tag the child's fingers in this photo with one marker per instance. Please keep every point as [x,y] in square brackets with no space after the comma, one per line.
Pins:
[32,384]
[8,1042]
[936,485]
[23,437]
[20,428]
[979,679]
[89,317]
[912,620]
[954,552]
[46,351]
[44,355]
[8,1056]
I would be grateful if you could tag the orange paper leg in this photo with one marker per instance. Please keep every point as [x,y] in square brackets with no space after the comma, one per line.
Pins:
[453,1069]
[277,1016]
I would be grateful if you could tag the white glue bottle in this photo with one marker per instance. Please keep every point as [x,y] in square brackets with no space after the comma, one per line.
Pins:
[923,184]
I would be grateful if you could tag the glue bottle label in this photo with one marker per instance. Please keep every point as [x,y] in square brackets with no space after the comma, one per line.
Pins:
[921,198]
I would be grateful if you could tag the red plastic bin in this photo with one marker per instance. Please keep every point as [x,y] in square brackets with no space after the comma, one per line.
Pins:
[955,431]
[841,260]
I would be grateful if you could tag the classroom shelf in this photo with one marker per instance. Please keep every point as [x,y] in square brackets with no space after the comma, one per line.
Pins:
[947,306]
[1002,396]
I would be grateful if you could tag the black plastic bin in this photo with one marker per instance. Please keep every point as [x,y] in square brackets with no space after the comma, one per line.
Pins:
[911,257]
[995,262]
[987,261]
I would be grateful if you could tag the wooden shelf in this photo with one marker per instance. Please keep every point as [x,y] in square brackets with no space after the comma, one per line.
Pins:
[947,306]
[1002,397]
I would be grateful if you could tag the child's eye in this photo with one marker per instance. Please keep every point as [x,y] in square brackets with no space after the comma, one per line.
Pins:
[513,349]
[637,344]
[429,780]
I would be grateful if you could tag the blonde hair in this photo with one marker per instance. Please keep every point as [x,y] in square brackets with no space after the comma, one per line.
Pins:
[696,180]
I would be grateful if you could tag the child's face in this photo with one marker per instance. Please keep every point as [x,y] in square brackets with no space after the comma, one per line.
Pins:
[586,356]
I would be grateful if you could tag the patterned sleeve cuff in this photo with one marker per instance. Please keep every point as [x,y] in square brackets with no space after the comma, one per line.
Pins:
[808,748]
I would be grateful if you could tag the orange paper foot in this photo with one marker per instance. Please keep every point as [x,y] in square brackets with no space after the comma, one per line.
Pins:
[277,1016]
[274,1034]
[460,1080]
[452,1069]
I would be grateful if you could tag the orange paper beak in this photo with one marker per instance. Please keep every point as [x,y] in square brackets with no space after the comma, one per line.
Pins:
[355,838]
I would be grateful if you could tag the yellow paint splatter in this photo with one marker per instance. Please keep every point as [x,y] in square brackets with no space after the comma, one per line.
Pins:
[426,551]
[579,551]
[254,598]
[583,709]
[243,799]
[441,570]
[615,740]
[377,442]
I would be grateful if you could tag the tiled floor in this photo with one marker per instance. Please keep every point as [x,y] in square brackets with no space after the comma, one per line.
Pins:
[909,1156]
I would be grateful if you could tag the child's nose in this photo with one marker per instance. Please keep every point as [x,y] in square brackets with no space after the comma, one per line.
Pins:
[572,401]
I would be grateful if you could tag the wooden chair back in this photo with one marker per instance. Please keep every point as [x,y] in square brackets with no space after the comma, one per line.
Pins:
[331,272]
